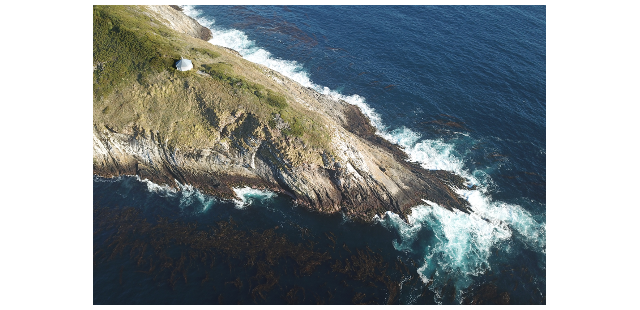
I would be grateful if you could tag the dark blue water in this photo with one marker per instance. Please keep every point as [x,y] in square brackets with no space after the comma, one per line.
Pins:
[461,88]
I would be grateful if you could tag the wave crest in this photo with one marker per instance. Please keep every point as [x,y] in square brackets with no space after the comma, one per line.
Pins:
[462,242]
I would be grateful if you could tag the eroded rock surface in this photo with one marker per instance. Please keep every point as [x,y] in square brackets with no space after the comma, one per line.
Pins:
[178,21]
[357,173]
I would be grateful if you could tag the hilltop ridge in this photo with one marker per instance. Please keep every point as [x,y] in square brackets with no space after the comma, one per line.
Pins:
[230,122]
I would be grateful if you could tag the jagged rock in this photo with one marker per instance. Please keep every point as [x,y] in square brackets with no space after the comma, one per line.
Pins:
[357,173]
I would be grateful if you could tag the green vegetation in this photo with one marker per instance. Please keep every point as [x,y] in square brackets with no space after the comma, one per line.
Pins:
[205,51]
[136,86]
[297,127]
[298,123]
[276,100]
[122,45]
[223,73]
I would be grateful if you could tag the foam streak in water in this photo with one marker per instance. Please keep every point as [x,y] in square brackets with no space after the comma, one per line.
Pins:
[190,196]
[238,40]
[248,195]
[463,242]
[163,190]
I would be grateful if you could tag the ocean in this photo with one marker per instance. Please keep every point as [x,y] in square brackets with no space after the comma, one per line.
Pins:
[459,88]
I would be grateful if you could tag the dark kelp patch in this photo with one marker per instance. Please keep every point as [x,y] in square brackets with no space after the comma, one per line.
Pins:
[278,270]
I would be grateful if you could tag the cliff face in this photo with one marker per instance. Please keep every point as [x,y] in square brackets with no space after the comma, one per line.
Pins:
[177,21]
[256,128]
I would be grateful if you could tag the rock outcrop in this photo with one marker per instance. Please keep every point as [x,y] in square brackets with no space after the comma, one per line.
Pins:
[179,22]
[357,172]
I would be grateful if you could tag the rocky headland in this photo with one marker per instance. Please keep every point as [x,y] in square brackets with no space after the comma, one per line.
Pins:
[230,123]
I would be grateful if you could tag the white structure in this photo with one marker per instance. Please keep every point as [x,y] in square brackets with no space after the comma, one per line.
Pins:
[184,64]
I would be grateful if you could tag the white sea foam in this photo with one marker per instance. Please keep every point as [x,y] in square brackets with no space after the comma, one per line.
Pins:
[462,246]
[431,154]
[238,40]
[464,241]
[191,11]
[513,216]
[163,190]
[186,193]
[190,195]
[248,195]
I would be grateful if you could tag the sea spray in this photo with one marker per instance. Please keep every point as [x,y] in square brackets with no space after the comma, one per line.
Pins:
[239,41]
[463,242]
[160,189]
[163,190]
[190,196]
[462,247]
[431,154]
[248,195]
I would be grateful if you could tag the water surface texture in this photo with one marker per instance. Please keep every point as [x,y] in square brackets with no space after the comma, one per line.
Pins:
[460,88]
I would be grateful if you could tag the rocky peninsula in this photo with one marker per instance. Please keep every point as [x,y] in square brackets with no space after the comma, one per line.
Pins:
[231,123]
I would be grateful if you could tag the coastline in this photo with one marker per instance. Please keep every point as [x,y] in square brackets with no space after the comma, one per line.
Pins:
[455,205]
[363,176]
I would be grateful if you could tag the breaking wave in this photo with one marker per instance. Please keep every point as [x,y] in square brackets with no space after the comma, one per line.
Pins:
[162,190]
[190,196]
[249,195]
[239,41]
[463,242]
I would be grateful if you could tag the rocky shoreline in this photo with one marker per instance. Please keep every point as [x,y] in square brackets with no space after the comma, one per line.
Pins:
[360,174]
[180,22]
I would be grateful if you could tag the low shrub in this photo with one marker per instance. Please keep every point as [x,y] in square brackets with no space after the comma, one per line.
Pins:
[223,72]
[124,47]
[276,100]
[205,51]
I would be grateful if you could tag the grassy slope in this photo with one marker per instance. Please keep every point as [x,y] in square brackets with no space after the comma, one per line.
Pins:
[137,89]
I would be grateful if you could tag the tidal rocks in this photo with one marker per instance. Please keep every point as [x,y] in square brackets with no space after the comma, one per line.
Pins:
[216,132]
